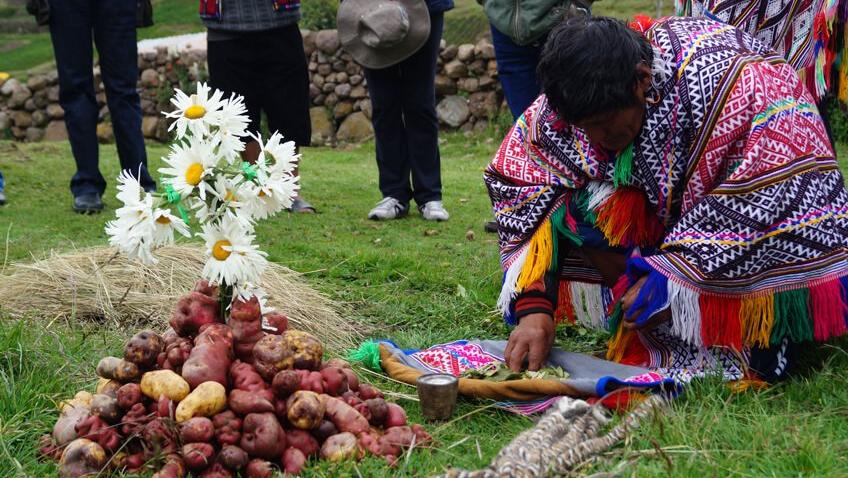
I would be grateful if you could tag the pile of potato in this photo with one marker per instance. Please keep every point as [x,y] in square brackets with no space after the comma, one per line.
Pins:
[217,400]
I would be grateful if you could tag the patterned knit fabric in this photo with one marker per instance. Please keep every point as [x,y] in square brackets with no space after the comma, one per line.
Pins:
[249,15]
[732,181]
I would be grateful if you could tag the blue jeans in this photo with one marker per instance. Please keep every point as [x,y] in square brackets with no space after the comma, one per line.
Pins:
[111,23]
[517,70]
[406,128]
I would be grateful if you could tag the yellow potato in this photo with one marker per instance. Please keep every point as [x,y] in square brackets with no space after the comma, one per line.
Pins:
[81,458]
[118,369]
[107,387]
[206,400]
[81,399]
[164,382]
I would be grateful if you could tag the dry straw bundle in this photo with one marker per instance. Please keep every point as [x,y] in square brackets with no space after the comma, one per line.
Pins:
[102,284]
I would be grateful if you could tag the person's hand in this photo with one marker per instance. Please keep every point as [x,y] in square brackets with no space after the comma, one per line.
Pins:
[531,339]
[630,316]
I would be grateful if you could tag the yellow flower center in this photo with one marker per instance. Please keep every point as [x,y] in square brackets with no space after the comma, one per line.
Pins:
[261,193]
[195,111]
[229,196]
[193,174]
[218,251]
[163,220]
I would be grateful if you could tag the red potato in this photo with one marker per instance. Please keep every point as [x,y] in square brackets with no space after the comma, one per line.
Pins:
[227,428]
[243,402]
[285,383]
[258,468]
[176,353]
[135,419]
[363,410]
[246,323]
[311,381]
[244,377]
[370,442]
[233,457]
[379,411]
[305,409]
[204,287]
[351,398]
[207,363]
[128,395]
[325,430]
[143,348]
[277,323]
[352,379]
[198,456]
[262,436]
[164,407]
[341,447]
[334,381]
[97,430]
[158,434]
[135,461]
[368,391]
[336,362]
[421,435]
[215,334]
[281,410]
[217,470]
[47,448]
[193,311]
[197,430]
[293,461]
[303,441]
[64,430]
[396,416]
[344,417]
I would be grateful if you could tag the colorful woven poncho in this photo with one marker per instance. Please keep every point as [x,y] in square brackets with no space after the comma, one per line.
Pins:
[810,34]
[731,192]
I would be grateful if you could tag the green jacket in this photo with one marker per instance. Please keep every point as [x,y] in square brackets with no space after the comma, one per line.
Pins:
[526,21]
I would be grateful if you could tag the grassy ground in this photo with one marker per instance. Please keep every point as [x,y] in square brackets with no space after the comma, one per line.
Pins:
[418,283]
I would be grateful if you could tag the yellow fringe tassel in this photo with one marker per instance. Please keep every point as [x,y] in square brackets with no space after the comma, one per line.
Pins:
[843,77]
[757,316]
[538,259]
[618,344]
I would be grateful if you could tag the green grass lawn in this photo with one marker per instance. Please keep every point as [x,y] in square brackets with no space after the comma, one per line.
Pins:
[418,283]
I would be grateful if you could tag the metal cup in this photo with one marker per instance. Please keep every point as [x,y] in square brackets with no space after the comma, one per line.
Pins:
[437,395]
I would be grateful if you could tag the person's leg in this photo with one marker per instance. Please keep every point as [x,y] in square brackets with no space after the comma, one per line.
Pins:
[384,87]
[115,38]
[420,120]
[71,30]
[287,103]
[2,189]
[517,71]
[229,61]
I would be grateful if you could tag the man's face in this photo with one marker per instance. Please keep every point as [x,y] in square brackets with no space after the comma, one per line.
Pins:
[614,130]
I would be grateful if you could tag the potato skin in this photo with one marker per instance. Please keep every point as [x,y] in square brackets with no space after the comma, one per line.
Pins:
[259,468]
[197,430]
[128,395]
[233,457]
[206,400]
[143,348]
[262,436]
[340,447]
[294,349]
[305,409]
[114,368]
[303,441]
[198,456]
[106,408]
[81,457]
[164,382]
[293,461]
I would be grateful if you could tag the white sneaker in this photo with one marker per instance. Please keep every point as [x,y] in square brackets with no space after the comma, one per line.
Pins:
[388,208]
[434,211]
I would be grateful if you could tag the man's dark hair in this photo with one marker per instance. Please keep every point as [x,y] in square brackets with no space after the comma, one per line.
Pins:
[588,66]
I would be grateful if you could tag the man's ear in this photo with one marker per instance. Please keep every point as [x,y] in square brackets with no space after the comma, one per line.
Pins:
[643,77]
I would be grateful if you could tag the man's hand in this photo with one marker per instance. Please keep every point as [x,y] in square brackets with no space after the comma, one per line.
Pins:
[531,339]
[631,315]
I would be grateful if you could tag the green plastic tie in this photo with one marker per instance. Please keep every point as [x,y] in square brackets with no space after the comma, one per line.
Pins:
[368,354]
[615,318]
[623,166]
[249,170]
[175,198]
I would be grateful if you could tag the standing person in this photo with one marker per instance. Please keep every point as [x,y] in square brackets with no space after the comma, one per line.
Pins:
[519,30]
[2,189]
[112,23]
[397,43]
[254,49]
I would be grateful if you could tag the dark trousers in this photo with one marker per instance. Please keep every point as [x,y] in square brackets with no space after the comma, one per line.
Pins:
[268,68]
[406,128]
[517,71]
[111,23]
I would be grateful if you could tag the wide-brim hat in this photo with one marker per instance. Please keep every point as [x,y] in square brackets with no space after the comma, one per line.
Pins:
[381,33]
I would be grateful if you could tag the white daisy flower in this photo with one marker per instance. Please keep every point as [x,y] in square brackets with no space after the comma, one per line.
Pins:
[130,191]
[197,112]
[277,155]
[190,166]
[248,291]
[164,226]
[225,198]
[132,231]
[233,259]
[276,194]
[232,126]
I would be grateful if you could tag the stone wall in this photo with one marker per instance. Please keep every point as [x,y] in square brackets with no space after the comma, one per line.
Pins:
[467,91]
